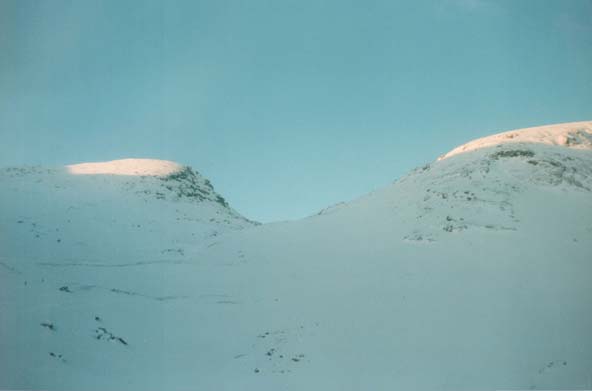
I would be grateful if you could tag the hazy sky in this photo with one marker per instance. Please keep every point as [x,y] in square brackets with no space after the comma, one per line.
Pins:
[287,106]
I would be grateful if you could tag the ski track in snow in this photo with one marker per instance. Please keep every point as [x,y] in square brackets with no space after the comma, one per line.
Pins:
[114,265]
[75,287]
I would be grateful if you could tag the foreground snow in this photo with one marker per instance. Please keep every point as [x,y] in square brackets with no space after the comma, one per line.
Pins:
[473,272]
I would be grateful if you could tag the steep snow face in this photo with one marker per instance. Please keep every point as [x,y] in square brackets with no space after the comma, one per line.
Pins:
[473,272]
[577,135]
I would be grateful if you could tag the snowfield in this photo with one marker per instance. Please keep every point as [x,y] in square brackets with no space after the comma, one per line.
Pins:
[470,273]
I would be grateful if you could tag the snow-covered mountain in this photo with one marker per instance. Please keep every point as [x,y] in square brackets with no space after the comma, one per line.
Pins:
[473,272]
[103,211]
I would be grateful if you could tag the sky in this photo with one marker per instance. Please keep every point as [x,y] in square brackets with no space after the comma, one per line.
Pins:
[286,106]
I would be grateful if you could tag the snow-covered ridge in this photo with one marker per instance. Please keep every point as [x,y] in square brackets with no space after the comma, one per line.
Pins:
[141,167]
[577,135]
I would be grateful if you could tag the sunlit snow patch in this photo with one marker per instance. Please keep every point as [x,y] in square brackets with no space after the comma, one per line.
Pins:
[131,167]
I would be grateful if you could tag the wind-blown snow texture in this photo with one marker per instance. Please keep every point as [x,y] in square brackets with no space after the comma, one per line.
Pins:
[474,272]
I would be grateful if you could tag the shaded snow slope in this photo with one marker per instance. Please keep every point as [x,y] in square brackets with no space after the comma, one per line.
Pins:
[577,135]
[473,272]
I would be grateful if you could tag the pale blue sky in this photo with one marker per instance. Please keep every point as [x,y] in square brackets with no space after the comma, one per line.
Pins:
[287,106]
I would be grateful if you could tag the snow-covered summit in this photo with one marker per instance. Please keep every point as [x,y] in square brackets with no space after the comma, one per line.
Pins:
[152,178]
[577,135]
[160,178]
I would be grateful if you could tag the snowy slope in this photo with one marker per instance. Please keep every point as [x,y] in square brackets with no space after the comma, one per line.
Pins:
[474,272]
